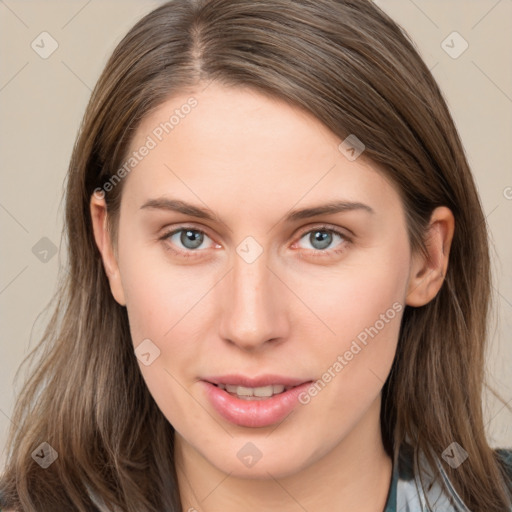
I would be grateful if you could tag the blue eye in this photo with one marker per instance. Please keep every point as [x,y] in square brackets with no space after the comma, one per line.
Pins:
[189,238]
[322,237]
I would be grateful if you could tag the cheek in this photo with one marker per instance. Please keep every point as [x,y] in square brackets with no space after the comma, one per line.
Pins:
[362,305]
[167,304]
[158,293]
[159,300]
[364,294]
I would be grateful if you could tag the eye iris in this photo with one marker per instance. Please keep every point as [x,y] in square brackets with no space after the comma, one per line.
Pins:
[191,236]
[323,237]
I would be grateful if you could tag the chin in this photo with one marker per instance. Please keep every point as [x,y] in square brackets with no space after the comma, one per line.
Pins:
[250,462]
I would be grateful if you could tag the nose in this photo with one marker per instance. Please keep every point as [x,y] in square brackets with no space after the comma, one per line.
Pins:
[252,300]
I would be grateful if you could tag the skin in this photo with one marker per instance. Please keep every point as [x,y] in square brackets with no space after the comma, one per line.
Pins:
[251,159]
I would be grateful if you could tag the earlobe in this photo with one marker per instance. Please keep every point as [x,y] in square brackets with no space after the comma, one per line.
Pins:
[427,274]
[104,243]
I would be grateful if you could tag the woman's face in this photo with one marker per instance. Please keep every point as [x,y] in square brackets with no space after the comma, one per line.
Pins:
[247,286]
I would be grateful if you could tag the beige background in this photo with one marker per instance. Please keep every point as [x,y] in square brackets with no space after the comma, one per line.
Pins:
[42,102]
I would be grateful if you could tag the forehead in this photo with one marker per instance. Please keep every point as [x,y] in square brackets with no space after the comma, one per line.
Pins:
[239,122]
[239,146]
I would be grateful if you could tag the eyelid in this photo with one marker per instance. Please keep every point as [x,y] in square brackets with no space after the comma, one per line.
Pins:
[168,232]
[329,227]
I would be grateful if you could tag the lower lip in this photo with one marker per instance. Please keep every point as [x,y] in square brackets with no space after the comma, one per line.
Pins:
[254,413]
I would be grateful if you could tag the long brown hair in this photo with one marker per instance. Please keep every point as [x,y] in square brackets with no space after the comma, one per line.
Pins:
[355,70]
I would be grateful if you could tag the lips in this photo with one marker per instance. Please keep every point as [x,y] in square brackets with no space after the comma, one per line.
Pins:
[254,402]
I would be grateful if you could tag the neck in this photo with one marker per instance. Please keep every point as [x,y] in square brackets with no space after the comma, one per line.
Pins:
[355,475]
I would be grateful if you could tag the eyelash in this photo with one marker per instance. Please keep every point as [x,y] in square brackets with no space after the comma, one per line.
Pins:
[315,253]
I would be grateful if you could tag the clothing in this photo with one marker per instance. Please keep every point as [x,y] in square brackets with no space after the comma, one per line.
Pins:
[406,493]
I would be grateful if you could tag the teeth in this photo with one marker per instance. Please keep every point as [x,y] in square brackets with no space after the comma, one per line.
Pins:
[267,391]
[260,392]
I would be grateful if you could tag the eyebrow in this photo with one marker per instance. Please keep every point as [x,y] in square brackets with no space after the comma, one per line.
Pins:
[176,205]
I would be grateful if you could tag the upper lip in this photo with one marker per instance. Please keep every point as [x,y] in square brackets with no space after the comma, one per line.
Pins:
[255,382]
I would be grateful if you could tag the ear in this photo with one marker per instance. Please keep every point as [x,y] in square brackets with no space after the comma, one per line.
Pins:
[427,274]
[105,246]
